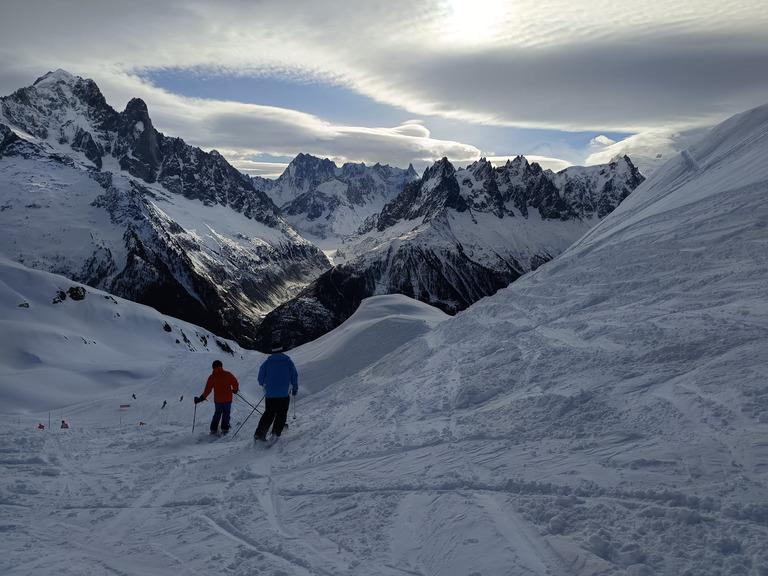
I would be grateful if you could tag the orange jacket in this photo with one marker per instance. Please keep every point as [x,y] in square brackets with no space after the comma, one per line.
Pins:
[222,383]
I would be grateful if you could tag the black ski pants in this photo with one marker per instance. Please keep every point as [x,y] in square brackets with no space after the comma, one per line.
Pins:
[275,415]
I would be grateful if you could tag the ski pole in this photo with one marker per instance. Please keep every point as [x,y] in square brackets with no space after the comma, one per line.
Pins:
[243,424]
[294,406]
[249,404]
[249,415]
[194,416]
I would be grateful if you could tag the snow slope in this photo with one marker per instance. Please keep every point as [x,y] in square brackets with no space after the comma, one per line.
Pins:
[605,414]
[65,343]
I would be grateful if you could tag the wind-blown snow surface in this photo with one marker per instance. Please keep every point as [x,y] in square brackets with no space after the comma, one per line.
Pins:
[606,414]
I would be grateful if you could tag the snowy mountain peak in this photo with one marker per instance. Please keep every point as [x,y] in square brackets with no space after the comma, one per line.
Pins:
[327,203]
[519,165]
[436,191]
[481,169]
[514,189]
[58,108]
[306,171]
[439,169]
[56,77]
[167,224]
[136,105]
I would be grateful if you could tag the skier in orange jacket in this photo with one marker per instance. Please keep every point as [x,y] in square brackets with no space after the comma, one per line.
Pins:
[224,385]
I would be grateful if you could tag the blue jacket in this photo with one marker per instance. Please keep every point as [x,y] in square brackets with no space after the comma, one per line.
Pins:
[277,374]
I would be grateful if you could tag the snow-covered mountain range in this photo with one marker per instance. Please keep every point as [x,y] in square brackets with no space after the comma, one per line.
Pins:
[105,199]
[606,414]
[455,236]
[327,203]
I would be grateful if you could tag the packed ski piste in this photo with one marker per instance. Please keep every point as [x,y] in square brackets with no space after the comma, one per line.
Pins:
[605,414]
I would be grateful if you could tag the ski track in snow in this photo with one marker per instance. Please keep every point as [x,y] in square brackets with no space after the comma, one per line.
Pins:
[121,495]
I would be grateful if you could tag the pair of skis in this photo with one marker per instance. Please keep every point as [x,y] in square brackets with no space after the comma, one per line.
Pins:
[215,437]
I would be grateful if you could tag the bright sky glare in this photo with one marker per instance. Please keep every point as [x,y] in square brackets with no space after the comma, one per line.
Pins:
[406,82]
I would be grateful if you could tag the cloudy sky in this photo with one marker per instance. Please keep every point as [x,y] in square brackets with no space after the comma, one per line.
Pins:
[402,82]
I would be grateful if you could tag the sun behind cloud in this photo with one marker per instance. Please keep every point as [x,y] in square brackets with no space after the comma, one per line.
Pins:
[476,22]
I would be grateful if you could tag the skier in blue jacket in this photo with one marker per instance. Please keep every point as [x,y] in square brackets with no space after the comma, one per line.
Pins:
[277,376]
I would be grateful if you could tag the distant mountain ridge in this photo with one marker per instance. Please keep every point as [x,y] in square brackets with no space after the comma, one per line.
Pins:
[155,220]
[324,201]
[455,236]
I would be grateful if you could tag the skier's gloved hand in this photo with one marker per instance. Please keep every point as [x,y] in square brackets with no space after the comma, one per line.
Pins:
[198,400]
[235,391]
[294,392]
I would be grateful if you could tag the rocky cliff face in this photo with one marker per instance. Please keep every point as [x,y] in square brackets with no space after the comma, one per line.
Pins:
[169,225]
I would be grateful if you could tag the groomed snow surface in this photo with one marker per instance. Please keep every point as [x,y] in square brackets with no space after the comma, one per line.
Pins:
[606,414]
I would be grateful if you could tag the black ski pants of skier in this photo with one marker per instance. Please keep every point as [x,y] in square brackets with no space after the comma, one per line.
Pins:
[275,415]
